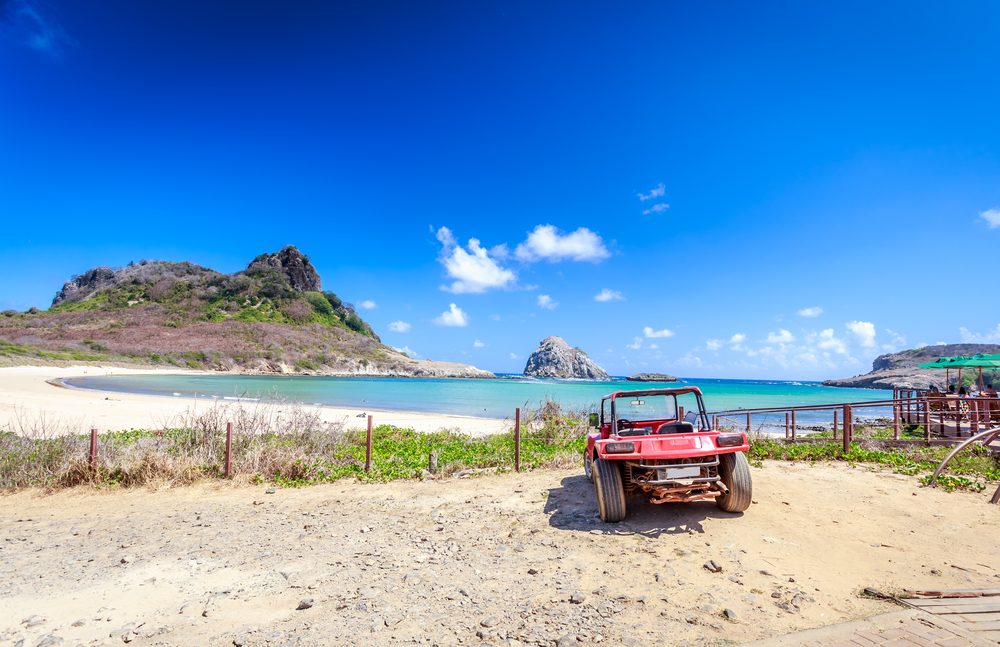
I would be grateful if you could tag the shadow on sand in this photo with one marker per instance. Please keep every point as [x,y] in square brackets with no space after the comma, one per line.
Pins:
[573,506]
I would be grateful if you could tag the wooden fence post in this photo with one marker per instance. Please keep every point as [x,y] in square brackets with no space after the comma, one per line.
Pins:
[793,424]
[835,412]
[517,439]
[895,421]
[927,421]
[848,420]
[748,423]
[229,449]
[368,448]
[93,451]
[786,425]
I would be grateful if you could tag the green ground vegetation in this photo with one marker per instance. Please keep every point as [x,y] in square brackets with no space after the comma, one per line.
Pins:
[191,294]
[296,450]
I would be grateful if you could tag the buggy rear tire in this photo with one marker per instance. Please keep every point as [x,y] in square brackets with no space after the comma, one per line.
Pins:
[734,472]
[588,464]
[610,492]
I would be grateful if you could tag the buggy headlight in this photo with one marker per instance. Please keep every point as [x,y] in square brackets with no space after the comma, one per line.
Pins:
[729,440]
[619,448]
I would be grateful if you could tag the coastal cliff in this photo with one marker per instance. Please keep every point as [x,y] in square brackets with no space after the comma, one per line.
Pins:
[899,370]
[272,317]
[555,358]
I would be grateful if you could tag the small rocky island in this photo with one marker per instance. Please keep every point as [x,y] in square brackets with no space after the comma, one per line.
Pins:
[899,370]
[651,377]
[555,358]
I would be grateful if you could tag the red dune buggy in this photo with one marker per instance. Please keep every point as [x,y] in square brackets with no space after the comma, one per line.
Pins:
[647,443]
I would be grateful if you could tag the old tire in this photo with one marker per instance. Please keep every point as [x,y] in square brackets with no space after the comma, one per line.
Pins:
[734,472]
[610,493]
[588,464]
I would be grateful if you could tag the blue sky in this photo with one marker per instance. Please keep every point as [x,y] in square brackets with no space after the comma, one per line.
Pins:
[734,189]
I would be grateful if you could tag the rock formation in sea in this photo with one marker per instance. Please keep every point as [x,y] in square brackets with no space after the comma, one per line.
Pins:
[651,377]
[898,370]
[555,358]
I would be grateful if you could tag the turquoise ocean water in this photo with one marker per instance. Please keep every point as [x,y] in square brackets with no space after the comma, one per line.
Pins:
[477,398]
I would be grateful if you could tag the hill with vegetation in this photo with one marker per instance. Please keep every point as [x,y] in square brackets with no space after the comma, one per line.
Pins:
[899,370]
[272,317]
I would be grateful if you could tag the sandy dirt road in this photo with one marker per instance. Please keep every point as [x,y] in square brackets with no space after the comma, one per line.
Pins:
[500,560]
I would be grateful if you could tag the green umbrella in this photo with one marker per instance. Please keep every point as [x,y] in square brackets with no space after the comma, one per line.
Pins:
[975,361]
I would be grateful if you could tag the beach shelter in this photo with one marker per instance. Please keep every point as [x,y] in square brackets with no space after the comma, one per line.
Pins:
[941,363]
[974,361]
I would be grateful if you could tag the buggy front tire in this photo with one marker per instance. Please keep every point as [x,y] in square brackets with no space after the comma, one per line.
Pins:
[588,464]
[734,472]
[610,492]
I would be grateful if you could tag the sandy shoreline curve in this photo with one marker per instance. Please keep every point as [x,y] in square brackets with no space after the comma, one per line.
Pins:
[29,397]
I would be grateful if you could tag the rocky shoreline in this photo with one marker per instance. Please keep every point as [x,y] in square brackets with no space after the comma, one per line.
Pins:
[899,370]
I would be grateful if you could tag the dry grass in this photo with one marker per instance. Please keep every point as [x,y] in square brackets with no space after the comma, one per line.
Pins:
[272,441]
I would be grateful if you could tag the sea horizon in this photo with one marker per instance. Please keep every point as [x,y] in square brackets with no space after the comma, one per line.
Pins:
[470,397]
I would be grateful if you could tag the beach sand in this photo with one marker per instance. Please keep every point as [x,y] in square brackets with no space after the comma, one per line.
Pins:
[27,397]
[431,562]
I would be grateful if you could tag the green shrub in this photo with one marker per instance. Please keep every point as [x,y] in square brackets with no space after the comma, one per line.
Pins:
[333,299]
[355,323]
[319,302]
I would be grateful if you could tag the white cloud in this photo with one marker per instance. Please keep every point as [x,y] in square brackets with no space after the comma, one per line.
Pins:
[655,193]
[713,344]
[689,359]
[495,317]
[654,346]
[657,333]
[991,336]
[399,326]
[807,358]
[609,295]
[656,208]
[445,236]
[367,304]
[864,331]
[810,312]
[992,217]
[406,349]
[780,337]
[453,317]
[531,286]
[478,344]
[545,242]
[636,344]
[738,338]
[898,341]
[545,301]
[500,251]
[513,356]
[828,342]
[475,270]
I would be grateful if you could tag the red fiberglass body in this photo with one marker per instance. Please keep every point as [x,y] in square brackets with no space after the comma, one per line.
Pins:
[648,444]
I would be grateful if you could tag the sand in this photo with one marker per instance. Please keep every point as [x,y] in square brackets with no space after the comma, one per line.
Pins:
[436,563]
[25,394]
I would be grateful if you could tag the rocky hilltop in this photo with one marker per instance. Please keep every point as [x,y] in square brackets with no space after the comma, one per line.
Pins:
[898,370]
[272,317]
[651,377]
[555,358]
